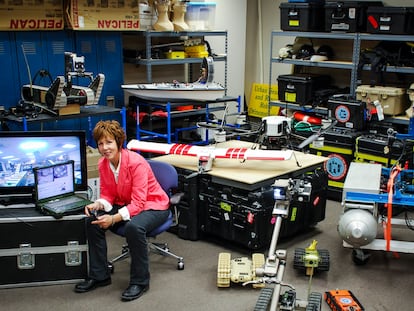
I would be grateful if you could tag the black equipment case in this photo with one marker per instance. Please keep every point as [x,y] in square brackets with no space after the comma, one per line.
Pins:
[300,87]
[245,217]
[348,112]
[347,16]
[41,250]
[390,20]
[302,16]
[339,147]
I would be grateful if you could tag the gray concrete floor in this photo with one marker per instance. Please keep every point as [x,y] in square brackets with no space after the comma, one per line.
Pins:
[383,284]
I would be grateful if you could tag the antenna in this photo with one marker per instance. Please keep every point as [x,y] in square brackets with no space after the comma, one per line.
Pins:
[28,72]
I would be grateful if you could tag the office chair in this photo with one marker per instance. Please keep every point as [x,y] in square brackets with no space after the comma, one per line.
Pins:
[167,177]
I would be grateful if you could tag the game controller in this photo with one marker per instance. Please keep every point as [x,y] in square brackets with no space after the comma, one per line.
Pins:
[94,214]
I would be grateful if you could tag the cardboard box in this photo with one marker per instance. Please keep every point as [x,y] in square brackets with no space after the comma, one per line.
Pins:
[92,159]
[69,109]
[31,15]
[113,16]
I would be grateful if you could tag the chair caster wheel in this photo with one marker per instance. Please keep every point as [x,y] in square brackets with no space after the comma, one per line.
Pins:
[180,265]
[111,268]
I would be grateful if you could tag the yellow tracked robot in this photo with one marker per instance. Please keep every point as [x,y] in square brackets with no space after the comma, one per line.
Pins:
[238,270]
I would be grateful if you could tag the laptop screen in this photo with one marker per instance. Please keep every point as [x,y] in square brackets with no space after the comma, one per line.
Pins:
[54,181]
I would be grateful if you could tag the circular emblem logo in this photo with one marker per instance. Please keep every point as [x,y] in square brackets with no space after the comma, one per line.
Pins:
[342,114]
[336,166]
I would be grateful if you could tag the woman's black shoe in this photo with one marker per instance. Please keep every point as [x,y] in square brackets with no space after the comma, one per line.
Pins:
[134,292]
[90,284]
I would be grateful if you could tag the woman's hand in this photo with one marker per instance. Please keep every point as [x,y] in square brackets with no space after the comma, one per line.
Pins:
[93,208]
[104,221]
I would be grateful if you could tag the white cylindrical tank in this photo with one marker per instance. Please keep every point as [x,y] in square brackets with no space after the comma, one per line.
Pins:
[357,227]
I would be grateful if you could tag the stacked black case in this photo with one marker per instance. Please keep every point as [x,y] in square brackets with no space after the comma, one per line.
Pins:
[41,250]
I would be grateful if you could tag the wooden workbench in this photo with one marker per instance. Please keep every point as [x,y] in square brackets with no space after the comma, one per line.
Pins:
[249,174]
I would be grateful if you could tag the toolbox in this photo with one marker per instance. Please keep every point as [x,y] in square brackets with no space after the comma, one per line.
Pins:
[394,100]
[348,112]
[302,16]
[390,20]
[376,148]
[245,217]
[347,16]
[41,250]
[338,145]
[300,88]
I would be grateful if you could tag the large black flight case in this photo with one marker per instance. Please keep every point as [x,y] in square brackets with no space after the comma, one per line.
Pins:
[41,250]
[245,216]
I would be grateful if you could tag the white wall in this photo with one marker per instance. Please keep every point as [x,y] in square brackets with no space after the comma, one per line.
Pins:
[231,16]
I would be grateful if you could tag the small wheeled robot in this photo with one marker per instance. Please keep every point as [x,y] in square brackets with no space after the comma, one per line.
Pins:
[310,259]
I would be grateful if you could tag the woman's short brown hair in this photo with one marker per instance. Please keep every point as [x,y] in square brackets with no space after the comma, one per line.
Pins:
[109,128]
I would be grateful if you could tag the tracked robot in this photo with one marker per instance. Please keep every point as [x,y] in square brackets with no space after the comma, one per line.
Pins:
[63,91]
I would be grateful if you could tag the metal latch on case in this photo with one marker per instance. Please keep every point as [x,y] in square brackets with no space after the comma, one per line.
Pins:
[26,258]
[73,257]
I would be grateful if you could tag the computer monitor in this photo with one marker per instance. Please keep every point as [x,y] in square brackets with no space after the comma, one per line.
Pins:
[21,151]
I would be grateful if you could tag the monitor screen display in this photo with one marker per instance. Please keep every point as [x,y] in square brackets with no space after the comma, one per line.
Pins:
[20,152]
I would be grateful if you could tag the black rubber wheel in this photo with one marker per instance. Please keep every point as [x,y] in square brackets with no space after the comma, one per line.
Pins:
[360,257]
[314,302]
[298,262]
[264,298]
[324,261]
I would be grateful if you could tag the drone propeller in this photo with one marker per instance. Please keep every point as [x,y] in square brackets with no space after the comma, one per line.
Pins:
[315,136]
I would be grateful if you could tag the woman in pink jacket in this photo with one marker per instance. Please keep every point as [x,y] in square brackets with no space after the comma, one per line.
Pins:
[129,195]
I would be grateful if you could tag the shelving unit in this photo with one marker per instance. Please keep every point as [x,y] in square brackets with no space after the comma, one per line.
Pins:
[347,65]
[204,108]
[149,62]
[170,135]
[357,40]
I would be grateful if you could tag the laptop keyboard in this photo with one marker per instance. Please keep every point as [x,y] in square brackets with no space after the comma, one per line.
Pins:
[66,204]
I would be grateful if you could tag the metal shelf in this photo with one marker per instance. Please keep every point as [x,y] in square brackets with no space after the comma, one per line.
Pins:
[321,35]
[166,61]
[149,62]
[307,108]
[356,38]
[205,108]
[323,64]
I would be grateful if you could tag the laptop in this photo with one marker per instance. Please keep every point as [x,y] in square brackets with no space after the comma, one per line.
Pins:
[54,190]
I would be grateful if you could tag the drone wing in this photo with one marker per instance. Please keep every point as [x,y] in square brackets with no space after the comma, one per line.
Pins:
[217,153]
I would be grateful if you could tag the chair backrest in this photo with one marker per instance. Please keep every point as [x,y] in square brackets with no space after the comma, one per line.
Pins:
[165,174]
